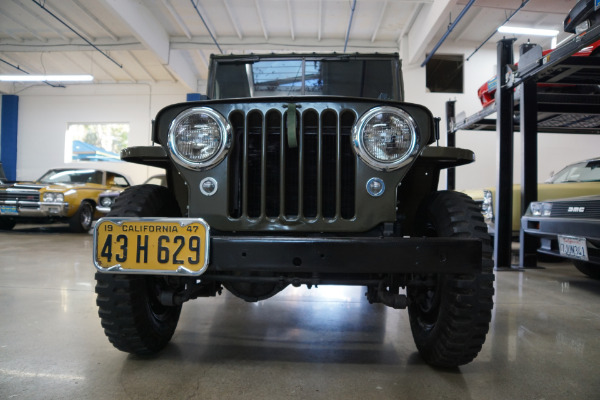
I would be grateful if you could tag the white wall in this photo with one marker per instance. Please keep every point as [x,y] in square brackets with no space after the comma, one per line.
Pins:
[554,150]
[45,112]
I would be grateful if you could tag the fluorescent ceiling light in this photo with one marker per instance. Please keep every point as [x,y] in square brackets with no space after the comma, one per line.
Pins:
[46,78]
[528,31]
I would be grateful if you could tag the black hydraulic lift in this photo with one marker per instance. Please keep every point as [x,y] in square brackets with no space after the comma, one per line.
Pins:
[546,112]
[505,145]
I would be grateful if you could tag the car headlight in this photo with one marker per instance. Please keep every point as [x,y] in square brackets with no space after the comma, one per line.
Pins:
[385,138]
[51,197]
[106,202]
[540,209]
[487,207]
[199,138]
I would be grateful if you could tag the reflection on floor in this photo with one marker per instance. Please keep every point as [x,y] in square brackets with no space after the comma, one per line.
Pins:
[324,343]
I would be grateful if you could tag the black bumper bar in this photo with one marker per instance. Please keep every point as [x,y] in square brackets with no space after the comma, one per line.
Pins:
[345,255]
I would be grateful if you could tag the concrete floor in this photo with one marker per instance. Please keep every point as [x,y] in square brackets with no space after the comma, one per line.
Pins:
[325,343]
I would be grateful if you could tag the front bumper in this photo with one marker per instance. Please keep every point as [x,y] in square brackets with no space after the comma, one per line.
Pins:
[548,230]
[34,209]
[187,247]
[378,255]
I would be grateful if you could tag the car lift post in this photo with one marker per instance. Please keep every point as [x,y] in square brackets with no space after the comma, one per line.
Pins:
[451,142]
[505,148]
[529,169]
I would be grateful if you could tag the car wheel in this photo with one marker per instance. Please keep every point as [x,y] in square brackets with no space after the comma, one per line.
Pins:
[7,223]
[588,268]
[133,318]
[81,221]
[450,313]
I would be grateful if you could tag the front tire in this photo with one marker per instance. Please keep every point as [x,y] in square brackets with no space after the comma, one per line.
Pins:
[6,224]
[81,221]
[133,318]
[450,313]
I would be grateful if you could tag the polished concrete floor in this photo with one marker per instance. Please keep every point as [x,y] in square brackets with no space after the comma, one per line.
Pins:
[325,343]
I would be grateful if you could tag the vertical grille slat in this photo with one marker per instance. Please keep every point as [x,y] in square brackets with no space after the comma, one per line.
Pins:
[338,167]
[348,165]
[312,181]
[328,168]
[253,166]
[282,161]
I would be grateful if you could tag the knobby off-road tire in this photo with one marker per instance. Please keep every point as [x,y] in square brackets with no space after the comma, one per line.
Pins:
[132,317]
[450,315]
[81,221]
[587,268]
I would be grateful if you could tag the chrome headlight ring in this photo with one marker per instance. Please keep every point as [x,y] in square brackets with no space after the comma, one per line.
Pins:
[385,138]
[199,138]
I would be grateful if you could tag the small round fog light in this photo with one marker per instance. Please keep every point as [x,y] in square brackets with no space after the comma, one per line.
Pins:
[375,187]
[208,186]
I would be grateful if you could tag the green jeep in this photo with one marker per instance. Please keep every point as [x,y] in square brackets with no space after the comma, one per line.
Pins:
[301,169]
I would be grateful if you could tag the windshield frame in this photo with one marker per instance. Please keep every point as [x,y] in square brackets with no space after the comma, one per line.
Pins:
[69,171]
[396,65]
[567,171]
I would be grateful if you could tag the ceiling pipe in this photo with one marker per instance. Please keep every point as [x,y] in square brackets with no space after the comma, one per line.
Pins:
[450,29]
[523,3]
[27,73]
[206,26]
[43,7]
[350,24]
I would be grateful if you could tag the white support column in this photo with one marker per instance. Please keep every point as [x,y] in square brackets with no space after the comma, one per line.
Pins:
[147,29]
[421,34]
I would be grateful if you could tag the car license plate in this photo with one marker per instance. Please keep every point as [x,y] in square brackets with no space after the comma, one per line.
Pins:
[573,247]
[9,210]
[152,246]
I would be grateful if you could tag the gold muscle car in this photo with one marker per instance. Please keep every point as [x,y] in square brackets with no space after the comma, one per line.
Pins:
[575,180]
[63,194]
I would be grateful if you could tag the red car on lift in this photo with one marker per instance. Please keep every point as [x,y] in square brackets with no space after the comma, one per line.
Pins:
[487,91]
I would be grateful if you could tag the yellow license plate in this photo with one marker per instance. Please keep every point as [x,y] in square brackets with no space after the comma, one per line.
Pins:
[151,246]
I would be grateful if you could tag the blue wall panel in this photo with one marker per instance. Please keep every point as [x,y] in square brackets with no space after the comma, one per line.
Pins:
[8,135]
[195,97]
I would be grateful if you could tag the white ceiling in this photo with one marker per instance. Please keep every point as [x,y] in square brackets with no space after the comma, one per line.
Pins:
[167,41]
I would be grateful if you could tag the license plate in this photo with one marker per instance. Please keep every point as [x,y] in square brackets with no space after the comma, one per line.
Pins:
[9,210]
[573,247]
[152,246]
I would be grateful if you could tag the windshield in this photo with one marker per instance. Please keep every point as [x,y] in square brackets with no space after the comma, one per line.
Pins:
[72,176]
[371,78]
[581,172]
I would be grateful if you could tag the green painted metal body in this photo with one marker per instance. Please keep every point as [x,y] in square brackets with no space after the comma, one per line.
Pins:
[310,116]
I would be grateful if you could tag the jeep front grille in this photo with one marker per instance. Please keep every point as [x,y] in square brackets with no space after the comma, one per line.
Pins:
[269,177]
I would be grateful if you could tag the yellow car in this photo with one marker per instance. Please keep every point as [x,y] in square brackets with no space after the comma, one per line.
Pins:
[64,194]
[575,180]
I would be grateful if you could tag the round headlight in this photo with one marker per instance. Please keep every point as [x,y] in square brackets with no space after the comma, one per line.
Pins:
[106,201]
[385,138]
[199,138]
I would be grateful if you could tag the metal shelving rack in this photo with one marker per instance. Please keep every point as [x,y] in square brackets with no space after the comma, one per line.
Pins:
[519,106]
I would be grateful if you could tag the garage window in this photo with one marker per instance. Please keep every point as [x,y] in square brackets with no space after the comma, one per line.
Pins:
[444,73]
[95,141]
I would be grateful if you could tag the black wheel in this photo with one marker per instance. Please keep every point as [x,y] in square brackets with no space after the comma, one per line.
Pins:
[81,221]
[588,268]
[7,224]
[450,313]
[133,318]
